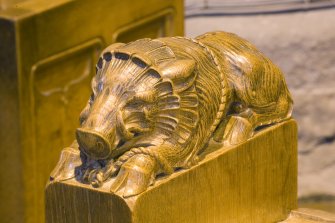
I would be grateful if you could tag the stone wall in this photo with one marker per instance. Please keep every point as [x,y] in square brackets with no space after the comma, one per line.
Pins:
[303,45]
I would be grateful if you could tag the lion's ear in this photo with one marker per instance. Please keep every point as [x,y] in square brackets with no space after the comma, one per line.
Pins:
[180,72]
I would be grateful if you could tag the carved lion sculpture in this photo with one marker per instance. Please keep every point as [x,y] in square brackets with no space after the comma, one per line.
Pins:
[156,104]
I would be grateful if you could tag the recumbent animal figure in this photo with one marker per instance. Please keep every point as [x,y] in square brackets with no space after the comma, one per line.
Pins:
[157,103]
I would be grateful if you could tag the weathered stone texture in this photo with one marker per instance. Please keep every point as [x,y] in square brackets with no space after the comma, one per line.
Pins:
[303,45]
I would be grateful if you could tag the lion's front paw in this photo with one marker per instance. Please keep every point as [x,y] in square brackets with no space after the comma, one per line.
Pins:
[135,175]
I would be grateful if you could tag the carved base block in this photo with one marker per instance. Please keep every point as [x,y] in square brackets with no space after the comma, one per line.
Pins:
[253,182]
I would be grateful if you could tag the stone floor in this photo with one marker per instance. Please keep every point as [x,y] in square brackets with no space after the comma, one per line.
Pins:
[303,45]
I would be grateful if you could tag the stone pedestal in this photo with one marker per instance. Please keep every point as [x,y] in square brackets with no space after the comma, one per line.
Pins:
[254,182]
